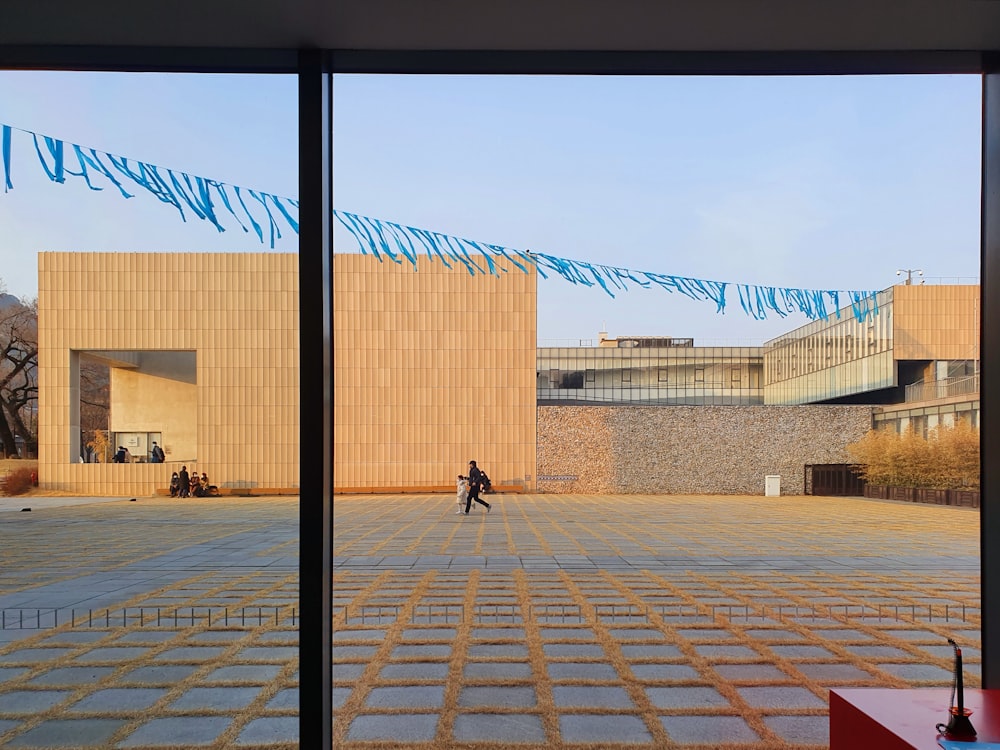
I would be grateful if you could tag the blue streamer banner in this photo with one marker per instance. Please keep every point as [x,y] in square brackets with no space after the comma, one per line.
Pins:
[261,213]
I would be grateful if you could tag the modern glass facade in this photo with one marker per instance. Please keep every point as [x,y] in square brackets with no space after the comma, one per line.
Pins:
[650,375]
[832,358]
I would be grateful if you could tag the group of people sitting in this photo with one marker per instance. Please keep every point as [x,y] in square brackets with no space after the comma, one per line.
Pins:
[183,485]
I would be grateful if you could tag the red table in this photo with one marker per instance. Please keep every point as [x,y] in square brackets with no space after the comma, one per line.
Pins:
[890,719]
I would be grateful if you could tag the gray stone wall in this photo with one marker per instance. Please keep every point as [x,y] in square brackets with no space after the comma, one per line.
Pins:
[690,449]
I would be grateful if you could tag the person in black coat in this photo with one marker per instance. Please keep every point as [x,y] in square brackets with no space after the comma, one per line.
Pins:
[475,483]
[185,482]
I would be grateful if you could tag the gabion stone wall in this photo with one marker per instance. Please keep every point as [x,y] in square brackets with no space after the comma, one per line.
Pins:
[690,449]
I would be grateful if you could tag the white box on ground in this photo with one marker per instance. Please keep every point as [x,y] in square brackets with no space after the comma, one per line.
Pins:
[772,485]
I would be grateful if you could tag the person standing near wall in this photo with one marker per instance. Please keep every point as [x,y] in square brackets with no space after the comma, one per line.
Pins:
[475,482]
[184,479]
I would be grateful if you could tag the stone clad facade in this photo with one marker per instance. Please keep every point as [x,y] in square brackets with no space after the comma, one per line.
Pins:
[690,449]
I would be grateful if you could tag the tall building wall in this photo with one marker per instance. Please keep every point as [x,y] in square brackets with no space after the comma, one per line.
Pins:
[431,369]
[936,322]
[237,312]
[690,449]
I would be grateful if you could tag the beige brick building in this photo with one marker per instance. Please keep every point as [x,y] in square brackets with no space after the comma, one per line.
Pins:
[432,368]
[203,349]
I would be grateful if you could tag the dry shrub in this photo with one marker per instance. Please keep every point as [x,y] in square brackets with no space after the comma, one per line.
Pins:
[18,482]
[947,459]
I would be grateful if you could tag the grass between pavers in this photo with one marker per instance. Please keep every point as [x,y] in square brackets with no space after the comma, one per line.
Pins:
[827,629]
[159,642]
[686,636]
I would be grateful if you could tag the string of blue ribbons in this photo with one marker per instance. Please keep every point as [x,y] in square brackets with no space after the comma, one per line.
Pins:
[261,213]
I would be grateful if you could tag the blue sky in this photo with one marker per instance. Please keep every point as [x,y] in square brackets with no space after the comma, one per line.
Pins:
[828,183]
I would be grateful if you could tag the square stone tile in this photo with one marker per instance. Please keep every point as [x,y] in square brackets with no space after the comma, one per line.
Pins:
[591,728]
[750,672]
[9,673]
[568,634]
[637,634]
[393,727]
[716,651]
[780,696]
[340,695]
[918,672]
[657,672]
[685,697]
[498,650]
[347,672]
[420,670]
[178,730]
[270,730]
[429,634]
[77,733]
[34,655]
[577,650]
[254,673]
[215,698]
[354,653]
[76,636]
[499,634]
[585,696]
[357,635]
[513,728]
[72,676]
[496,670]
[644,652]
[769,635]
[498,695]
[881,652]
[708,730]
[805,730]
[153,637]
[119,700]
[189,654]
[422,651]
[822,672]
[582,671]
[31,701]
[114,654]
[167,675]
[285,699]
[416,696]
[802,652]
[842,634]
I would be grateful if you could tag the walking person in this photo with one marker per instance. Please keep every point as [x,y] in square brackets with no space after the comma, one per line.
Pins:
[475,482]
[184,480]
[157,454]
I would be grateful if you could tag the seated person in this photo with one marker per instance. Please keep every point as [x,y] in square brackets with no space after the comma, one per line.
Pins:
[195,486]
[175,485]
[204,486]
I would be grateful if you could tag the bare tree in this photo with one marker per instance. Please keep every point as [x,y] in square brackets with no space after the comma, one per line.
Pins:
[18,370]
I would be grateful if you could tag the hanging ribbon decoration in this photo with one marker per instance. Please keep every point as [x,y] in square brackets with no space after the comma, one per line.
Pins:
[209,200]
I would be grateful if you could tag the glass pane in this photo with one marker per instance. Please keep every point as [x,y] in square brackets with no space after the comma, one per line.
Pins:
[166,345]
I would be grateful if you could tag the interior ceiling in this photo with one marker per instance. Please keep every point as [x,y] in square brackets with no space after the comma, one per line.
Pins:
[516,25]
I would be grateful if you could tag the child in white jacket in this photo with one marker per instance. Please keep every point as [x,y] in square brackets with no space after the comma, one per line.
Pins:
[461,492]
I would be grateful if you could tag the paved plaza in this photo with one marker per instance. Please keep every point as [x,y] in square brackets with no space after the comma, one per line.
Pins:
[568,621]
[555,621]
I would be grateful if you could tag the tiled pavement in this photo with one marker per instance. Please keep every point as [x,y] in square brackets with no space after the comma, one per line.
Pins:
[638,621]
[554,621]
[130,660]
